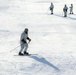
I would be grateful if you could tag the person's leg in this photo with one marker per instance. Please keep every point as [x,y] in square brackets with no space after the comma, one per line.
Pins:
[52,11]
[65,14]
[22,47]
[26,47]
[70,11]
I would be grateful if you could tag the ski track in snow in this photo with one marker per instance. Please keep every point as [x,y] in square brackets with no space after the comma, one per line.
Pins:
[19,67]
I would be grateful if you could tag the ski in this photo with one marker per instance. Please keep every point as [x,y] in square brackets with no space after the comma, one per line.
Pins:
[26,55]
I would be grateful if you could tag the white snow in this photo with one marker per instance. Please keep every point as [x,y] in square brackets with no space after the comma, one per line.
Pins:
[53,38]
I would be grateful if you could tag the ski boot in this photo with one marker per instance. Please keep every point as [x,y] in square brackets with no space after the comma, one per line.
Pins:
[20,53]
[26,53]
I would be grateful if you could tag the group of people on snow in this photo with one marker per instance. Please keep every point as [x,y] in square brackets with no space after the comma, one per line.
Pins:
[65,9]
[24,35]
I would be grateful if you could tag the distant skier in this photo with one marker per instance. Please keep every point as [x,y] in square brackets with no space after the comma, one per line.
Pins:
[65,9]
[71,9]
[51,8]
[23,42]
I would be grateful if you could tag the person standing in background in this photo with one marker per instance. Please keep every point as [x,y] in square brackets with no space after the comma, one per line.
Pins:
[65,9]
[51,8]
[71,9]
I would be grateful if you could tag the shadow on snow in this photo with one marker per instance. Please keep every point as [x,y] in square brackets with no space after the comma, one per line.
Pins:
[44,61]
[65,17]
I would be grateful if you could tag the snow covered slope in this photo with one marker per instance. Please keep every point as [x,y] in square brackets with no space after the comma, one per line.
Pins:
[53,38]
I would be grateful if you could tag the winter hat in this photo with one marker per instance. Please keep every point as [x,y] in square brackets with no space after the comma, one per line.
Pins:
[26,29]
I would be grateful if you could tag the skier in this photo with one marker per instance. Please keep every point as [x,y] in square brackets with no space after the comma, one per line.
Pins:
[71,9]
[51,8]
[65,10]
[23,42]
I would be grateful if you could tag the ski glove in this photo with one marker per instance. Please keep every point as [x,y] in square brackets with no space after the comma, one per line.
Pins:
[50,8]
[23,41]
[29,39]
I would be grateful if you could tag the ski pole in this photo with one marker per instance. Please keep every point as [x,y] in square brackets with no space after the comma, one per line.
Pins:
[17,47]
[14,48]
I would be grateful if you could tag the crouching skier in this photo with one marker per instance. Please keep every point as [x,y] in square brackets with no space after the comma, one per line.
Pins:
[23,42]
[65,9]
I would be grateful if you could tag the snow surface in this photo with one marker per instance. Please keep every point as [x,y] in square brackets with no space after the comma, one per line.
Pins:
[53,38]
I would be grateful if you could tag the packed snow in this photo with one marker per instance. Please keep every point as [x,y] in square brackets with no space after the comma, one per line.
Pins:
[53,38]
